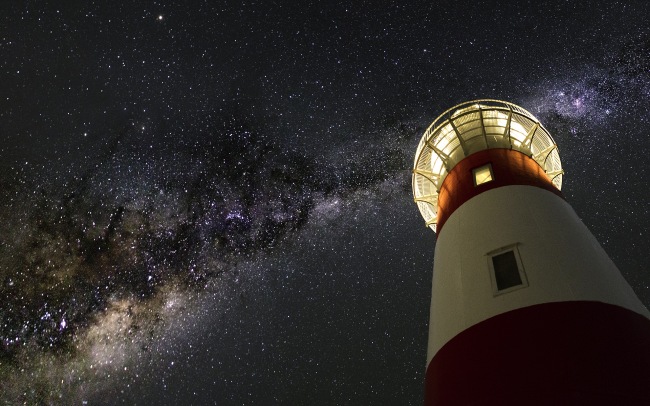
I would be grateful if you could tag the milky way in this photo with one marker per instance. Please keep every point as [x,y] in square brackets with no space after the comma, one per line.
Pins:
[210,204]
[101,262]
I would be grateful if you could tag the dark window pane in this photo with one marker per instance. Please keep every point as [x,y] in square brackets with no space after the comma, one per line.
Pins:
[506,271]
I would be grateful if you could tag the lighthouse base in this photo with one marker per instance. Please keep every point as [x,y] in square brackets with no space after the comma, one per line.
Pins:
[560,353]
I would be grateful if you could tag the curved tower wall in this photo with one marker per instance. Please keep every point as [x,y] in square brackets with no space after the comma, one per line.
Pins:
[526,308]
[560,259]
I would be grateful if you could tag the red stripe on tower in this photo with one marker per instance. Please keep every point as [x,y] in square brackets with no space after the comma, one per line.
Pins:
[526,307]
[563,353]
[507,167]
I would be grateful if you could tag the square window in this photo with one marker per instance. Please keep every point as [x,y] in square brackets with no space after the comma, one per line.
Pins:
[506,270]
[506,273]
[483,174]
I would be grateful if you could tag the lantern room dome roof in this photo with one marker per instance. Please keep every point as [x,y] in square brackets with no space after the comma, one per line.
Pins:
[471,127]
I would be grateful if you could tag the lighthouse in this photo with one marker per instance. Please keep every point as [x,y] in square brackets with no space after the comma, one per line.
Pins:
[526,306]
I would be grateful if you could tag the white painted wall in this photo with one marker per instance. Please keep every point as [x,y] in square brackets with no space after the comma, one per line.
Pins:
[562,260]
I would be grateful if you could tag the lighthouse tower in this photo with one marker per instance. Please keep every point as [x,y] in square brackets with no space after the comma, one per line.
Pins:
[526,307]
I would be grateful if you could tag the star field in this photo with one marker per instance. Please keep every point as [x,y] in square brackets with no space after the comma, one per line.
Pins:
[210,203]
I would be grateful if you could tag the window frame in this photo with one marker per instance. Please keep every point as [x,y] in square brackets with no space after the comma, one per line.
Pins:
[478,168]
[520,267]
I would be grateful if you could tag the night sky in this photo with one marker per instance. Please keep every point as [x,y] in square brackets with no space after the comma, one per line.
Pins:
[209,202]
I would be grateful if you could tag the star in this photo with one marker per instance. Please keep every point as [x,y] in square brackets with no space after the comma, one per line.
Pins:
[254,172]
